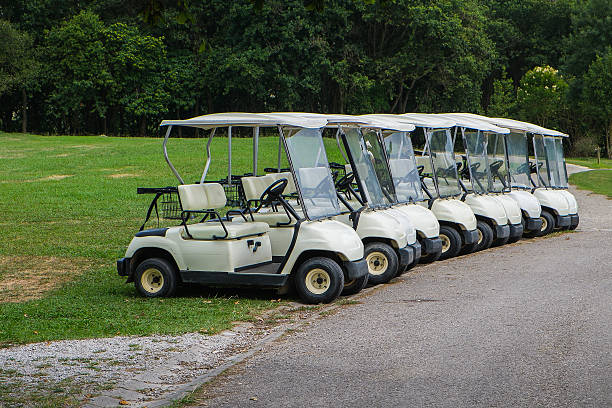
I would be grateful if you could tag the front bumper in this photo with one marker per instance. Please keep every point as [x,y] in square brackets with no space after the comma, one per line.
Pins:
[405,256]
[417,250]
[575,220]
[533,224]
[123,266]
[469,237]
[563,221]
[516,230]
[502,231]
[431,246]
[354,269]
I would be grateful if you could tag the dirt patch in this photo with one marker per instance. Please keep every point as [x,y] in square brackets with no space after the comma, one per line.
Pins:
[25,278]
[12,156]
[123,175]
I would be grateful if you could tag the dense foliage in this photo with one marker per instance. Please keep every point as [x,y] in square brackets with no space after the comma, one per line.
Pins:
[119,67]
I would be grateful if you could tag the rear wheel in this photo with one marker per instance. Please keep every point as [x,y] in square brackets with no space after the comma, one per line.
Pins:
[548,223]
[319,280]
[451,242]
[155,277]
[382,262]
[485,235]
[354,286]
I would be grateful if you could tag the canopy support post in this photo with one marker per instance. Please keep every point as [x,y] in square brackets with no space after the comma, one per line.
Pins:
[229,157]
[255,149]
[208,157]
[280,145]
[167,158]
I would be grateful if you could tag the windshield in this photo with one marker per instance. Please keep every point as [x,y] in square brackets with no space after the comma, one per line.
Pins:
[541,161]
[443,162]
[556,161]
[518,157]
[403,167]
[309,163]
[475,147]
[364,158]
[496,156]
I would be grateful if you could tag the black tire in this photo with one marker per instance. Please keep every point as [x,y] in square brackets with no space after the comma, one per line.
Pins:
[528,233]
[382,262]
[155,277]
[451,242]
[319,280]
[512,240]
[485,235]
[429,258]
[468,248]
[354,286]
[548,223]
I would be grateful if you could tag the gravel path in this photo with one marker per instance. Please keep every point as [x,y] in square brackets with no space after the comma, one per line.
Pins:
[527,325]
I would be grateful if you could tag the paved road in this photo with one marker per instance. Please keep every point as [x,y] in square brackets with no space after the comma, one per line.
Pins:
[528,324]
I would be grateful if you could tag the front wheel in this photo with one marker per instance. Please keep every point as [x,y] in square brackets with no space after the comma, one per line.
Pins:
[451,242]
[548,223]
[319,280]
[485,236]
[382,262]
[155,277]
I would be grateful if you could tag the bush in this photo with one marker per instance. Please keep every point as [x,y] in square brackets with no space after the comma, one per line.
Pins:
[585,146]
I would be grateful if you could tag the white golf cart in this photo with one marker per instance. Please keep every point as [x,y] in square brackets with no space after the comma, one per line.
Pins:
[440,182]
[389,238]
[245,248]
[480,173]
[552,177]
[400,157]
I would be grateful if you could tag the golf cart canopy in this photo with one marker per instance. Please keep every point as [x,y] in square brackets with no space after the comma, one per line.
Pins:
[427,120]
[468,122]
[216,120]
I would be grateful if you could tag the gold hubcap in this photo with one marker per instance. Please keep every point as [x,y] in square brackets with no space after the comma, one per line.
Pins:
[544,224]
[479,236]
[349,283]
[317,281]
[377,263]
[152,280]
[446,244]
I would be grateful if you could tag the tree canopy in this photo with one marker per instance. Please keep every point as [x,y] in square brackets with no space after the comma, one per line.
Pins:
[120,67]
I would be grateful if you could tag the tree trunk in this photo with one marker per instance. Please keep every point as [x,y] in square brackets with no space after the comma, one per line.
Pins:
[24,111]
[143,126]
[609,140]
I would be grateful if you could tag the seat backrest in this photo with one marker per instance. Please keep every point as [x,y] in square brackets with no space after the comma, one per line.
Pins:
[290,189]
[205,196]
[310,177]
[254,186]
[400,167]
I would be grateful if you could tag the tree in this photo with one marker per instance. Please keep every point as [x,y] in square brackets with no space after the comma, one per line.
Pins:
[18,66]
[597,96]
[503,99]
[541,96]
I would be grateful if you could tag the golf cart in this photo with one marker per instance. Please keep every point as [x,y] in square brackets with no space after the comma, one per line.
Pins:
[552,177]
[389,238]
[440,182]
[480,167]
[515,171]
[244,248]
[399,153]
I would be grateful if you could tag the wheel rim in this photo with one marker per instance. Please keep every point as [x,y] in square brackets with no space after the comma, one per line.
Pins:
[377,263]
[152,280]
[544,224]
[446,244]
[349,283]
[480,236]
[317,281]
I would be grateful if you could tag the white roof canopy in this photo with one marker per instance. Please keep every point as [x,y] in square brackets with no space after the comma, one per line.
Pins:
[389,122]
[248,120]
[472,122]
[517,125]
[427,120]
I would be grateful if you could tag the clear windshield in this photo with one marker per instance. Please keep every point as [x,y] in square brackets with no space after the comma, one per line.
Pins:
[518,157]
[541,161]
[364,158]
[403,167]
[556,161]
[443,163]
[475,147]
[309,163]
[496,156]
[378,158]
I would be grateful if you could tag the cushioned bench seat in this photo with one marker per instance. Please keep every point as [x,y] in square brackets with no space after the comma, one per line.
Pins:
[273,219]
[214,230]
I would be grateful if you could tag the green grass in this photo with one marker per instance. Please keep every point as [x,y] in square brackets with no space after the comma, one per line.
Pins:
[591,162]
[89,218]
[598,181]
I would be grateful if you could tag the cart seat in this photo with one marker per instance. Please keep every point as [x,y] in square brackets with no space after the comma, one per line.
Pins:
[274,219]
[254,186]
[214,230]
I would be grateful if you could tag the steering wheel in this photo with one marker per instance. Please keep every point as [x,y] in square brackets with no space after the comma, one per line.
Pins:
[495,166]
[524,168]
[420,169]
[475,166]
[273,191]
[345,181]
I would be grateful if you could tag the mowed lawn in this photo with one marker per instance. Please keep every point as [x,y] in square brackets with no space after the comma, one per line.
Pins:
[598,181]
[69,209]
